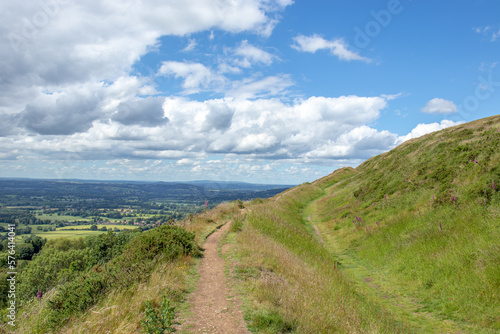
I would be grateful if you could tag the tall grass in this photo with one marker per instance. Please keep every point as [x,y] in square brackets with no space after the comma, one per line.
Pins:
[293,282]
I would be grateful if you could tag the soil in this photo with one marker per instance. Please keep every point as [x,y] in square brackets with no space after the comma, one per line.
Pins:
[212,310]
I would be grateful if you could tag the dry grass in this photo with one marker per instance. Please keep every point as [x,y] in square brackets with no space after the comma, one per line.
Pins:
[121,311]
[285,293]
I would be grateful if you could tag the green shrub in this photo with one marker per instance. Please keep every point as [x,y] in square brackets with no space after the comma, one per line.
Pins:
[134,264]
[159,322]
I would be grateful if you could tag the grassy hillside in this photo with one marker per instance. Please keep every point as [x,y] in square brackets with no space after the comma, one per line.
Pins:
[407,242]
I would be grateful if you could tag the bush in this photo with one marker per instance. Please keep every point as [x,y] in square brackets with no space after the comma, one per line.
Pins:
[134,264]
[159,322]
[25,251]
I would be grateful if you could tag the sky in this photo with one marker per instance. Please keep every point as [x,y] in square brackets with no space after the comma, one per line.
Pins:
[262,91]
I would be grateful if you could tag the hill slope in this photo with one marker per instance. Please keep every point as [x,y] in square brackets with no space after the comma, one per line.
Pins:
[408,242]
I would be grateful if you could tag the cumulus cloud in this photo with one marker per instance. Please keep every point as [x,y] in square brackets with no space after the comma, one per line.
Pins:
[251,88]
[439,106]
[247,55]
[146,112]
[423,129]
[180,128]
[97,45]
[337,47]
[196,76]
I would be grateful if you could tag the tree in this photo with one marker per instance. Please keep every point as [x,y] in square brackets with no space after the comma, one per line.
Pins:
[37,243]
[25,251]
[93,227]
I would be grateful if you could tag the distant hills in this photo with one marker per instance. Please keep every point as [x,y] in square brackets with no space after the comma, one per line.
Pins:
[191,191]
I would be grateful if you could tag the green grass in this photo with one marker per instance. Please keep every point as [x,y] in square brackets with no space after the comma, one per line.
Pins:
[451,274]
[387,265]
[65,218]
[66,234]
[82,227]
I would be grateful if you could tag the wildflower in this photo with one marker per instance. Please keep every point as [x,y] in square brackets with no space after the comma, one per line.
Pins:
[493,184]
[475,160]
[453,198]
[39,294]
[376,223]
[479,201]
[440,228]
[433,197]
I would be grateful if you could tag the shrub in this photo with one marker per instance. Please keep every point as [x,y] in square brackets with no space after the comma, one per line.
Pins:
[159,322]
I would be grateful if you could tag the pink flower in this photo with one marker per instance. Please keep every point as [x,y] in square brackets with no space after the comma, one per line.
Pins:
[493,183]
[479,201]
[476,161]
[440,226]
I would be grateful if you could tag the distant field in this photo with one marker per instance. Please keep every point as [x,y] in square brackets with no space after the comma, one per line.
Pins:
[81,227]
[62,218]
[67,234]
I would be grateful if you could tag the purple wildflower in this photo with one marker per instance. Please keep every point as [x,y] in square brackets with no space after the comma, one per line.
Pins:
[475,160]
[39,294]
[433,197]
[440,228]
[453,198]
[376,223]
[480,201]
[493,184]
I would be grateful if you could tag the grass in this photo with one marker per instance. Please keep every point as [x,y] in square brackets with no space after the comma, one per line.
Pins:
[64,218]
[434,243]
[83,227]
[408,246]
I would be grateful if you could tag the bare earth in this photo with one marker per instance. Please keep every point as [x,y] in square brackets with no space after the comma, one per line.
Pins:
[211,309]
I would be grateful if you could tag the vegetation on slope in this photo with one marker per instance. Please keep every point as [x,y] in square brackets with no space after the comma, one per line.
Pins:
[412,243]
[117,283]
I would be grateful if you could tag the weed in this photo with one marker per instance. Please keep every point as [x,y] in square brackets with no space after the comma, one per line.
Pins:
[159,321]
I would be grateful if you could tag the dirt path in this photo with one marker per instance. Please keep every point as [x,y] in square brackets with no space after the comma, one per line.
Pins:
[212,311]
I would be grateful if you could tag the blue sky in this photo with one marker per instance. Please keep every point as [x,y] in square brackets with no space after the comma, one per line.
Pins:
[266,91]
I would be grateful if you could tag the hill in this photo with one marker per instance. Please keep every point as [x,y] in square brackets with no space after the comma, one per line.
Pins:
[409,241]
[111,193]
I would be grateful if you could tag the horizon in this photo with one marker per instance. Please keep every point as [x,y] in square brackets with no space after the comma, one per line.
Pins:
[147,181]
[259,91]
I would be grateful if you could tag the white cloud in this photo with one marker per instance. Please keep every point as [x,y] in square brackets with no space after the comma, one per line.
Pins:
[492,33]
[191,46]
[337,47]
[196,76]
[247,55]
[187,129]
[439,106]
[423,129]
[252,88]
[80,52]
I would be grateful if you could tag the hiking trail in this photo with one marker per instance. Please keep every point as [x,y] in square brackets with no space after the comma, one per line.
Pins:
[211,309]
